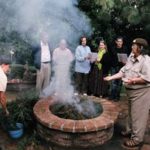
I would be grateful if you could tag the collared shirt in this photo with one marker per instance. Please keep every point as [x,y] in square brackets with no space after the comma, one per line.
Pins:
[3,80]
[82,65]
[45,52]
[137,67]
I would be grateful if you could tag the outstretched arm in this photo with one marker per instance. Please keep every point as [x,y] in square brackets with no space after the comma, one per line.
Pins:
[113,77]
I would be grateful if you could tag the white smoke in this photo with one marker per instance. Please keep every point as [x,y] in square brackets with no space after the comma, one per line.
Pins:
[60,86]
[59,18]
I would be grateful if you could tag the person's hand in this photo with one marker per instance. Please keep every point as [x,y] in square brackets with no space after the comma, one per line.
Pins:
[97,61]
[108,78]
[88,56]
[127,81]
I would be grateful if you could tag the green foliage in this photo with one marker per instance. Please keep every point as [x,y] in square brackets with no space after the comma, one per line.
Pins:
[7,122]
[29,140]
[147,28]
[105,4]
[21,109]
[18,70]
[13,41]
[117,17]
[134,17]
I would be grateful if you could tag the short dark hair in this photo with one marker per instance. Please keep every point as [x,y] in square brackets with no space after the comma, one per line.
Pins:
[5,60]
[82,39]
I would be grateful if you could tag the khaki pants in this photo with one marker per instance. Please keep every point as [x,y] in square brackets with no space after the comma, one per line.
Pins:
[139,105]
[43,77]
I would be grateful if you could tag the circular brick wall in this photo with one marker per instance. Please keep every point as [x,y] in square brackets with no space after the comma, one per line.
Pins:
[75,133]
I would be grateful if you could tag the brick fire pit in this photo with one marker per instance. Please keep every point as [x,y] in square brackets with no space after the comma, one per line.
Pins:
[75,133]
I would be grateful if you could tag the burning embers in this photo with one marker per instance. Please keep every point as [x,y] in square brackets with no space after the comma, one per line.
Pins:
[73,133]
[79,110]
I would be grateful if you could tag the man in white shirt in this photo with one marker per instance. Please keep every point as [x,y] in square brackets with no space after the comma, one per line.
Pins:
[4,68]
[42,61]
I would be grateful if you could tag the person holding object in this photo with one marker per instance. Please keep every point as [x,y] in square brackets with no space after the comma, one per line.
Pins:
[117,51]
[82,66]
[136,78]
[100,69]
[4,68]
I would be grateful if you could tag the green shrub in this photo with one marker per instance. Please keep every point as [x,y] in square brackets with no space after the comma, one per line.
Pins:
[21,109]
[18,70]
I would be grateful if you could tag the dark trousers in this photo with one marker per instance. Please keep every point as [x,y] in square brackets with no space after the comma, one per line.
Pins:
[81,82]
[115,85]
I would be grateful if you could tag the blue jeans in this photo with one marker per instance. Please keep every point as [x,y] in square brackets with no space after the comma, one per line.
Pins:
[115,85]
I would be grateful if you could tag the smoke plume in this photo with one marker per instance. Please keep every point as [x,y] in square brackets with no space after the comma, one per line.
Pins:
[59,18]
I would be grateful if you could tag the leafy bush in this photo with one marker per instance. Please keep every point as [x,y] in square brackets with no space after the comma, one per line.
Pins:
[7,122]
[18,70]
[21,109]
[29,141]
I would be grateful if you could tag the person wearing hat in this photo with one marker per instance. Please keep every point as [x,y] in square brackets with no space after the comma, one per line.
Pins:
[136,78]
[4,68]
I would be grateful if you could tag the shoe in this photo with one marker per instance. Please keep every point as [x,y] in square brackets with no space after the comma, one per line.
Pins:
[84,94]
[132,144]
[76,94]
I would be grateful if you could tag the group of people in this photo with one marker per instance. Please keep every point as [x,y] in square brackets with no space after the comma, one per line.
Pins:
[90,67]
[93,70]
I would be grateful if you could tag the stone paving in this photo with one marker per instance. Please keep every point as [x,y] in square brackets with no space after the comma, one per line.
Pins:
[7,143]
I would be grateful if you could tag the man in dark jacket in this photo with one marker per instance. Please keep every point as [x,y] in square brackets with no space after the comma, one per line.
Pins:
[117,63]
[42,61]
